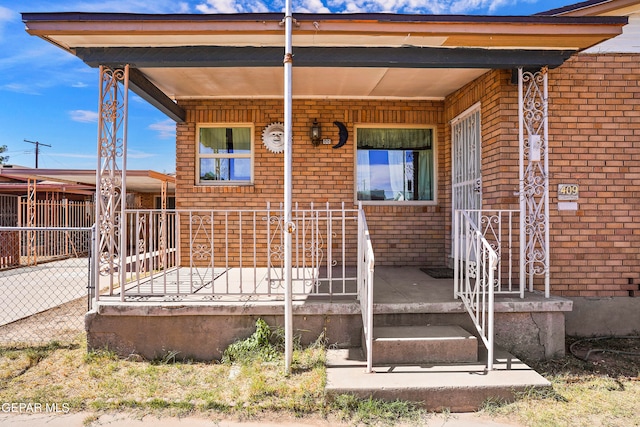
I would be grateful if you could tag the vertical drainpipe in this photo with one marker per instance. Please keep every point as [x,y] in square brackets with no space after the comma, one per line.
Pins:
[288,315]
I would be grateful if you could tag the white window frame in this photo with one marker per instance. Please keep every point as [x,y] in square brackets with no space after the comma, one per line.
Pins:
[434,130]
[199,156]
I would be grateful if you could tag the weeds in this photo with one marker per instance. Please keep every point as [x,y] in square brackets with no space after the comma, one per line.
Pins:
[258,346]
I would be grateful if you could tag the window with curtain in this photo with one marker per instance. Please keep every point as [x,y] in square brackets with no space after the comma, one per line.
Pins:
[395,164]
[225,154]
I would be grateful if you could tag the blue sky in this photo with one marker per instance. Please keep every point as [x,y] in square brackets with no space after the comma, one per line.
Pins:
[50,96]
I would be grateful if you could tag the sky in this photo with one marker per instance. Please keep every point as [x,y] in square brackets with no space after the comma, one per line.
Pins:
[51,97]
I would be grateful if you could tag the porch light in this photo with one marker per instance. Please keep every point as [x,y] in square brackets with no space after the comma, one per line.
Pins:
[315,133]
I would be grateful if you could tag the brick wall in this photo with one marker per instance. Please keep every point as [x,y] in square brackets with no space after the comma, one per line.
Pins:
[594,121]
[410,235]
[594,141]
[594,133]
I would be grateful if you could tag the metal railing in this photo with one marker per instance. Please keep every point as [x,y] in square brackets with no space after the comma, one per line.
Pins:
[366,264]
[55,213]
[216,253]
[501,230]
[476,263]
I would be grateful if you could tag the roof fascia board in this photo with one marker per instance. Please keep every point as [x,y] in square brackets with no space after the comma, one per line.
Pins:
[50,24]
[261,19]
[405,57]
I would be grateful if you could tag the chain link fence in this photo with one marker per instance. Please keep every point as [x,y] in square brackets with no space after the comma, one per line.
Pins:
[45,284]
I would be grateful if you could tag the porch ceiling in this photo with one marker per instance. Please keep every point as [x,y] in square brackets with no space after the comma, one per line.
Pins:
[335,55]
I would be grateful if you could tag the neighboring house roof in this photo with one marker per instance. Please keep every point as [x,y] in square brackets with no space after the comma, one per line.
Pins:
[628,41]
[175,57]
[81,181]
[596,8]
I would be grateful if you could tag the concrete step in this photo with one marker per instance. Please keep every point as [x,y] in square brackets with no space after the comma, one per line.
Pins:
[423,344]
[457,387]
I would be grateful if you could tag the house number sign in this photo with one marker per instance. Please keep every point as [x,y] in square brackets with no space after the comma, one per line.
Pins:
[568,191]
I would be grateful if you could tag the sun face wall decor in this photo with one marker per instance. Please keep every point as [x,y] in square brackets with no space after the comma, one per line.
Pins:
[273,137]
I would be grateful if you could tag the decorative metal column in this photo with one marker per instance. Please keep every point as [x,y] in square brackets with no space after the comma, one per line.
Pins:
[111,176]
[534,177]
[162,240]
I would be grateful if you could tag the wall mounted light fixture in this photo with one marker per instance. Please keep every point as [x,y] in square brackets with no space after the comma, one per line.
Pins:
[315,133]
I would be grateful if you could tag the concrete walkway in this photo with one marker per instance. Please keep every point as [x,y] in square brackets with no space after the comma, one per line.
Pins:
[32,289]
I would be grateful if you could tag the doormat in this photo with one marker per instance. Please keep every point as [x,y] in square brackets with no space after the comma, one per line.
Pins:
[438,273]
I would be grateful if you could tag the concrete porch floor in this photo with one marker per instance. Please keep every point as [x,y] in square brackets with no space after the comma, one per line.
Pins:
[408,289]
[396,290]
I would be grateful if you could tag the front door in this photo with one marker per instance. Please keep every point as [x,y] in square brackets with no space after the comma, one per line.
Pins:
[466,153]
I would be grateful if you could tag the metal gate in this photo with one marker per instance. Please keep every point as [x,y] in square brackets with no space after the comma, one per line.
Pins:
[466,157]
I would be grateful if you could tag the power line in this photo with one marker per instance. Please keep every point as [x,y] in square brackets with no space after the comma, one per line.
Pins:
[37,144]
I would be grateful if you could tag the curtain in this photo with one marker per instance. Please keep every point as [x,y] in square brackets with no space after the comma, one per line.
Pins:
[221,140]
[395,139]
[425,174]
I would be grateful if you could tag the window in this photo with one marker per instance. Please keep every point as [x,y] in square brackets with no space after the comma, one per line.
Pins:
[395,164]
[171,202]
[225,154]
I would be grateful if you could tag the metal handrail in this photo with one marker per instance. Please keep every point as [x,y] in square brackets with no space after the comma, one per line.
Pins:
[474,276]
[366,264]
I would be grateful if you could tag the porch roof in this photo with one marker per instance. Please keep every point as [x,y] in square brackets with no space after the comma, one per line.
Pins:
[186,56]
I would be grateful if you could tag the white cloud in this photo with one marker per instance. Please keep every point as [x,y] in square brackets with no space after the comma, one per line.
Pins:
[73,155]
[232,6]
[7,15]
[166,129]
[79,85]
[415,6]
[312,6]
[137,154]
[20,88]
[126,6]
[83,116]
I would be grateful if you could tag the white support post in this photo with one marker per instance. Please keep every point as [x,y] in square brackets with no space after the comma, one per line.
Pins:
[288,160]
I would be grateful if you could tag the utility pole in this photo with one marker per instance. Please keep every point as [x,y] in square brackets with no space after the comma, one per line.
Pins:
[37,144]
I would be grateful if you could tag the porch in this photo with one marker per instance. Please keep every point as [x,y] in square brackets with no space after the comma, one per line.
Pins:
[200,325]
[199,288]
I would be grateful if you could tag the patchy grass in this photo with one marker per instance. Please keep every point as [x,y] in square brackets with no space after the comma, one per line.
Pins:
[372,411]
[250,384]
[603,390]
